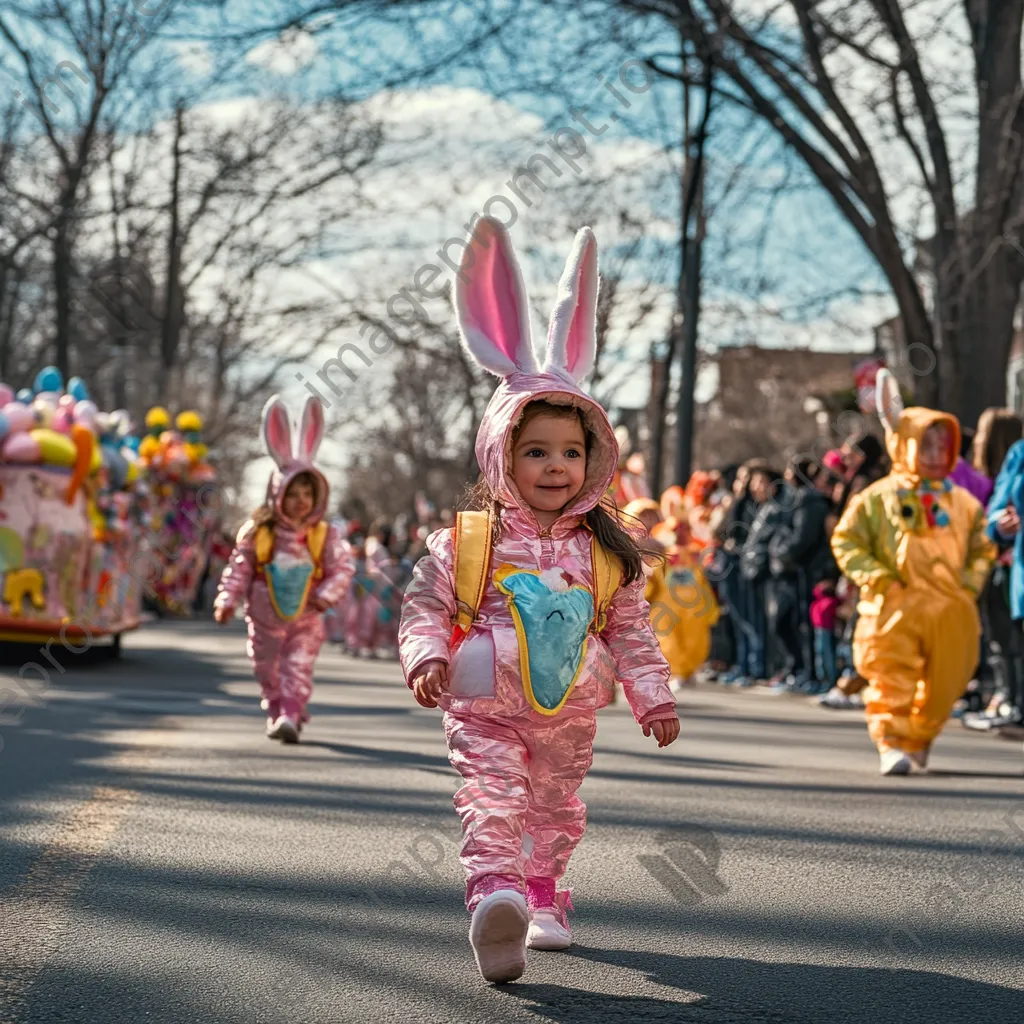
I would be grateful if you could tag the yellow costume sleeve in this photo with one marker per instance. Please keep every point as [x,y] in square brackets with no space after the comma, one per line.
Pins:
[857,537]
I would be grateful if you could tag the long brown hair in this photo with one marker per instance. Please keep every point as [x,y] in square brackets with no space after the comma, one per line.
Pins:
[604,520]
[998,430]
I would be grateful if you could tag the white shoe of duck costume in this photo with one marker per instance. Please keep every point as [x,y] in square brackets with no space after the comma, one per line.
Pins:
[535,623]
[277,568]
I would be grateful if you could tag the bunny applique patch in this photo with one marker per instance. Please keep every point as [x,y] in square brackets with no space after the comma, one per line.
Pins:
[552,618]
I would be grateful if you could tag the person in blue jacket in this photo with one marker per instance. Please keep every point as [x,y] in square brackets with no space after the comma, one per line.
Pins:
[1004,596]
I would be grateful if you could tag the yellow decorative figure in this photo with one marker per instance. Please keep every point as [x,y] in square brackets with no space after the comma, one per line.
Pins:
[683,605]
[915,545]
[22,583]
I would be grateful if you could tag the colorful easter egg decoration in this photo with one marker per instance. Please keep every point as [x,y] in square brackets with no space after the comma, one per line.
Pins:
[25,396]
[55,449]
[49,378]
[85,413]
[20,418]
[78,390]
[22,449]
[44,413]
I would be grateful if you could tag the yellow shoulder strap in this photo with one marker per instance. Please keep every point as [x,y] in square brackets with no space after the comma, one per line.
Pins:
[607,573]
[264,544]
[316,537]
[472,560]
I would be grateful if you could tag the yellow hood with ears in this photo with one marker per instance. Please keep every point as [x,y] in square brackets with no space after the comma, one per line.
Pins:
[904,442]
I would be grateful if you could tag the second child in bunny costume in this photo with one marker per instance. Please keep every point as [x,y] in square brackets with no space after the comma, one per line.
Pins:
[288,566]
[915,544]
[521,679]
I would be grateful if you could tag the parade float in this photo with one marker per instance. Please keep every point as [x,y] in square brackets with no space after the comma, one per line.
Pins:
[93,520]
[69,528]
[184,504]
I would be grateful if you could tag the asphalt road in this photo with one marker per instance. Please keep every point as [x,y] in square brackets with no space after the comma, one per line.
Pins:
[162,861]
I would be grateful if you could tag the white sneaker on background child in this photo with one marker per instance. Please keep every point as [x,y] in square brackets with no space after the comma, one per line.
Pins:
[894,762]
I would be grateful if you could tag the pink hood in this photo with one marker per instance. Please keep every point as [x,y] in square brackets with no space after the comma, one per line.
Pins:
[493,314]
[494,439]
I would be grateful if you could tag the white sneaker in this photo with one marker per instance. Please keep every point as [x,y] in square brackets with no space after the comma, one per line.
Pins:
[549,929]
[894,762]
[498,935]
[285,730]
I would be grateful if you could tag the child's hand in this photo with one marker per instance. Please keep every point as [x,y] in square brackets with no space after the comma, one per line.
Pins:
[318,604]
[223,615]
[431,682]
[1008,522]
[665,730]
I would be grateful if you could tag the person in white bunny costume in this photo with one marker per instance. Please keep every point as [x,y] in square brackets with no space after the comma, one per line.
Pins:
[521,679]
[288,566]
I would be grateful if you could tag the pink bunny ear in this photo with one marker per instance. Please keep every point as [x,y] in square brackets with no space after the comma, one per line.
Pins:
[572,332]
[311,431]
[277,431]
[490,302]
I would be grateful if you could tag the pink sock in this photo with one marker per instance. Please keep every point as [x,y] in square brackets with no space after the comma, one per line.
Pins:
[540,892]
[487,884]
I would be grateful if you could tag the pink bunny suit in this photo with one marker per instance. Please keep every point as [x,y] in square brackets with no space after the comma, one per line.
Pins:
[521,815]
[283,652]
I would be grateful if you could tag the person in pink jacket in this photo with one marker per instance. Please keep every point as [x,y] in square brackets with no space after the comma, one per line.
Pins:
[520,691]
[288,566]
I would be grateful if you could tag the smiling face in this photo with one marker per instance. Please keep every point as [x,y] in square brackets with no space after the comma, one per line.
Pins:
[549,463]
[935,456]
[299,500]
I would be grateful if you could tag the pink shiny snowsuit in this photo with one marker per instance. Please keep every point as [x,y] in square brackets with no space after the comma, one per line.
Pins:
[521,815]
[283,653]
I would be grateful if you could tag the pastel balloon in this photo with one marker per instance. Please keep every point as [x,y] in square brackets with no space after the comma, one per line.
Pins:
[85,412]
[6,394]
[50,398]
[96,460]
[19,417]
[55,449]
[49,378]
[43,414]
[62,420]
[78,390]
[25,396]
[4,426]
[21,448]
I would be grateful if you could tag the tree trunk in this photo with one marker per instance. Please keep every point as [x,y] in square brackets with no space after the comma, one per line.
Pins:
[171,328]
[62,263]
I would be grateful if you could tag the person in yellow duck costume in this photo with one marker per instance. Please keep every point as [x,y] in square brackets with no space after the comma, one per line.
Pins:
[683,605]
[915,545]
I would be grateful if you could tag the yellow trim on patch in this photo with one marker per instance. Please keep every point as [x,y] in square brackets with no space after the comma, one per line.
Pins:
[500,575]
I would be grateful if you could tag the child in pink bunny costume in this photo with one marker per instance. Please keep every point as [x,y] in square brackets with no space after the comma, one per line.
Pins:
[288,566]
[519,714]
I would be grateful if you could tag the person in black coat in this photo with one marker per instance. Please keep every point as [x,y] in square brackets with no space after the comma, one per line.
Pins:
[799,558]
[754,568]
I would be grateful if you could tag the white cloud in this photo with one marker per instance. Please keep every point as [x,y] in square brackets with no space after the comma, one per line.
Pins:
[286,55]
[194,57]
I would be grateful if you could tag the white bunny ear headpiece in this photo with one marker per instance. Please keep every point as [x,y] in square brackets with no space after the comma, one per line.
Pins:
[311,430]
[888,399]
[277,432]
[491,304]
[572,332]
